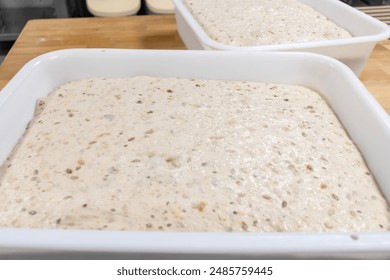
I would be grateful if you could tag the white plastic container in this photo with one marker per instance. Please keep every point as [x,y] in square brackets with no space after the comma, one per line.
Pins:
[354,52]
[113,8]
[366,122]
[160,7]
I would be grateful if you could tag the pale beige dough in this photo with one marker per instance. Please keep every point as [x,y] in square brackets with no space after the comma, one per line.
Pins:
[174,154]
[263,22]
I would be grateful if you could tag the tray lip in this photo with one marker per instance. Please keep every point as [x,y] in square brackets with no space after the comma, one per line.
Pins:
[194,242]
[136,241]
[63,53]
[208,41]
[37,62]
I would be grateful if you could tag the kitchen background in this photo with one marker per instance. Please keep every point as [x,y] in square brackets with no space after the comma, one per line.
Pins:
[15,13]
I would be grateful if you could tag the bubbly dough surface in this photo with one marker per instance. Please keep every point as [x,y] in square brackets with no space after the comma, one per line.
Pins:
[174,154]
[263,22]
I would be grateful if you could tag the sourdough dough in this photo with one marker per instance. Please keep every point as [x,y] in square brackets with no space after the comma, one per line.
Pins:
[263,22]
[174,154]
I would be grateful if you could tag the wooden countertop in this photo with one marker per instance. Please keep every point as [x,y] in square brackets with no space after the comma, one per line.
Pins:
[145,32]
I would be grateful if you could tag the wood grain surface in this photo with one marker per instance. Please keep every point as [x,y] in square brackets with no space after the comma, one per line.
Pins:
[144,32]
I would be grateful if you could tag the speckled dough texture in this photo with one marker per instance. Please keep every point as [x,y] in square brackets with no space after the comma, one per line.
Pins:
[173,154]
[263,22]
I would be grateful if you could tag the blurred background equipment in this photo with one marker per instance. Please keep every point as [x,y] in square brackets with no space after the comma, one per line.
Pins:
[14,14]
[160,7]
[358,3]
[113,8]
[379,9]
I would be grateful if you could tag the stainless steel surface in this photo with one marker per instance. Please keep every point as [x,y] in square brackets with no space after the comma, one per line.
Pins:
[25,3]
[14,14]
[381,13]
[359,3]
[14,19]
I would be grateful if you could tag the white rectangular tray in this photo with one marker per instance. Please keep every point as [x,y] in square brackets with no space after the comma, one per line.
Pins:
[365,120]
[354,52]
